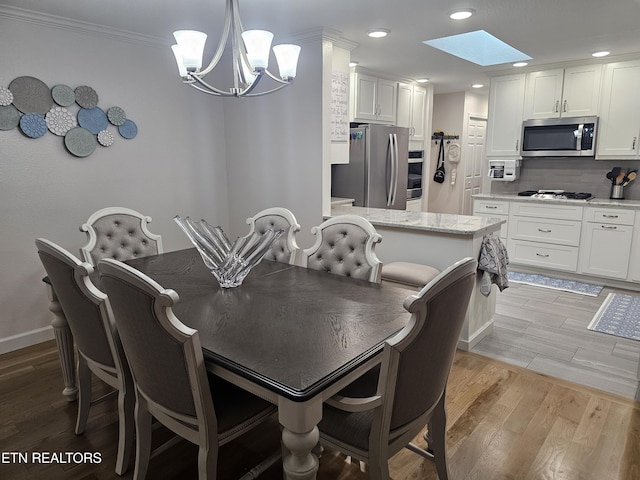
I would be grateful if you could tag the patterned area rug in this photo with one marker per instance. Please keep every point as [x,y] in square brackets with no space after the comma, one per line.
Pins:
[556,283]
[619,315]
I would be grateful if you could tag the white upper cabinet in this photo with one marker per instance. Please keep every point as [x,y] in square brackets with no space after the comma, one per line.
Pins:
[412,103]
[619,127]
[563,92]
[506,100]
[374,99]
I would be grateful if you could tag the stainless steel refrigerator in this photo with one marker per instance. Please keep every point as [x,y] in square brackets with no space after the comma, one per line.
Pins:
[376,175]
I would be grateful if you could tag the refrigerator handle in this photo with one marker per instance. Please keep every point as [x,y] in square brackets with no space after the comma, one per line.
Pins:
[392,166]
[396,168]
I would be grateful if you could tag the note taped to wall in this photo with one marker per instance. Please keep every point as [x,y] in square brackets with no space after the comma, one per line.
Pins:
[339,106]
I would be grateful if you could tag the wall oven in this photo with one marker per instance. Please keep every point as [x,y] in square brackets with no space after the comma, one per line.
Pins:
[559,137]
[414,176]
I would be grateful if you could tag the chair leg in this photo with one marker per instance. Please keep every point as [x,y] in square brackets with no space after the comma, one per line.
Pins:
[437,436]
[378,467]
[126,426]
[207,462]
[143,438]
[84,394]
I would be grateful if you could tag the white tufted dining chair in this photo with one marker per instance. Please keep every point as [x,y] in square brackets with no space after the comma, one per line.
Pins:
[285,249]
[345,245]
[119,233]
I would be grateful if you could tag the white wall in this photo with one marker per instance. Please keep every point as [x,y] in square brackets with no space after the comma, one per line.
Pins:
[275,148]
[176,164]
[450,114]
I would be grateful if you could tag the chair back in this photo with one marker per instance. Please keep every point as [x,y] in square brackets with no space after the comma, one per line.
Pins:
[164,355]
[345,245]
[420,356]
[83,304]
[284,249]
[119,233]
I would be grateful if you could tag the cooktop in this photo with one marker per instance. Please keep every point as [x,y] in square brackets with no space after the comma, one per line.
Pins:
[556,194]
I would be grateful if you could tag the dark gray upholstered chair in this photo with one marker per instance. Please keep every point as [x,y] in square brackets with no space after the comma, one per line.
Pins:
[285,249]
[169,373]
[378,415]
[96,339]
[345,245]
[120,233]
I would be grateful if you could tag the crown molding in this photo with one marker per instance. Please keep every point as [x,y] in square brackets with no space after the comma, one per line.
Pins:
[85,28]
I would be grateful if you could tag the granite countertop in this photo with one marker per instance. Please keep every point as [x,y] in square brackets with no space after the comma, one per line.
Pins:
[429,222]
[594,202]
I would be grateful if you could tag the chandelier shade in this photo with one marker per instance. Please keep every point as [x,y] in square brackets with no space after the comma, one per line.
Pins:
[249,56]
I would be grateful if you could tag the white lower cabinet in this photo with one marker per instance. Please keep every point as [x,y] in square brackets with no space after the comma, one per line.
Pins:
[606,243]
[493,209]
[546,236]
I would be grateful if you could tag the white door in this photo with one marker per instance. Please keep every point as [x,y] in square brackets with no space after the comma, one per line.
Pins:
[473,161]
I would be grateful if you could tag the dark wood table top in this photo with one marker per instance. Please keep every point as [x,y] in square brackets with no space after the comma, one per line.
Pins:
[290,329]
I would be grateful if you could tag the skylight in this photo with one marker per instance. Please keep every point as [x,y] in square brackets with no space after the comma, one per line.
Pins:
[478,47]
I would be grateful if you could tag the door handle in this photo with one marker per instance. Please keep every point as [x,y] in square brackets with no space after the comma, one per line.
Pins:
[391,170]
[544,230]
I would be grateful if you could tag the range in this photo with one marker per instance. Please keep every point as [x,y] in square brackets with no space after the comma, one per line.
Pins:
[556,195]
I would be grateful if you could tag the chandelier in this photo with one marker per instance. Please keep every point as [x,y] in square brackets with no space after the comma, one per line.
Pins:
[250,57]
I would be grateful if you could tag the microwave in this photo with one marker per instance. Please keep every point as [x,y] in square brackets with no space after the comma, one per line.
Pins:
[559,137]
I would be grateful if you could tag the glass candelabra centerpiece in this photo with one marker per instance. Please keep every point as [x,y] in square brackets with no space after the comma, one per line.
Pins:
[229,262]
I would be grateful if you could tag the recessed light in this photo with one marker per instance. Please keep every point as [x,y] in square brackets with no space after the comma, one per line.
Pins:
[353,64]
[520,64]
[378,32]
[603,53]
[461,14]
[477,85]
[422,80]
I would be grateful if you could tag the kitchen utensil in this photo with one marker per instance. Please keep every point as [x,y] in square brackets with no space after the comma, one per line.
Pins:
[610,176]
[620,178]
[630,178]
[614,174]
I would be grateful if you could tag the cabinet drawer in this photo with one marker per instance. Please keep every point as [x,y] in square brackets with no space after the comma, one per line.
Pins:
[557,210]
[558,257]
[561,232]
[490,207]
[610,215]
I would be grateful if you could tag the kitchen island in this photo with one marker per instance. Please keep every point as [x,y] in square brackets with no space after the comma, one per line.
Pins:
[438,240]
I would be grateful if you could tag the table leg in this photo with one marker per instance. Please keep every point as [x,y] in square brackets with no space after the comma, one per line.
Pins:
[300,436]
[64,340]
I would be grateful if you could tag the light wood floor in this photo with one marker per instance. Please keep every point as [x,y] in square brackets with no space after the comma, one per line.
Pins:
[545,330]
[505,423]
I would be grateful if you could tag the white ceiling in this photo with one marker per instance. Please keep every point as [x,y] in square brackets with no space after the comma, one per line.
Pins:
[550,31]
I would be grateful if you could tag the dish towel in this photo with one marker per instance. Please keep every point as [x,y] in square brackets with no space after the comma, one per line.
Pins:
[453,155]
[493,263]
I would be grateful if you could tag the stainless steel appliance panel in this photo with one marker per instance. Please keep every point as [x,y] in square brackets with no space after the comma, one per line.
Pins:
[376,175]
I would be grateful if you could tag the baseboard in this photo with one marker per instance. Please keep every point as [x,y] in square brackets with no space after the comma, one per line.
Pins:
[26,339]
[467,345]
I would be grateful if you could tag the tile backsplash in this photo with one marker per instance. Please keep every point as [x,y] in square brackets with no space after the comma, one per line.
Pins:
[569,174]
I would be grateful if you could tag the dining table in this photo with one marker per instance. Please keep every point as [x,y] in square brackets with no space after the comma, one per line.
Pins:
[291,335]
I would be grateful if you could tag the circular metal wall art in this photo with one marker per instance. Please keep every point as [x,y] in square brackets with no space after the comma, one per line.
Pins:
[33,125]
[6,97]
[9,117]
[105,138]
[31,95]
[93,119]
[86,97]
[128,129]
[60,120]
[80,142]
[116,116]
[63,95]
